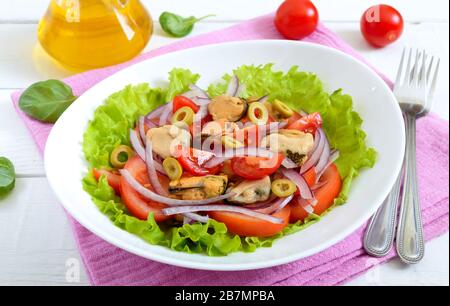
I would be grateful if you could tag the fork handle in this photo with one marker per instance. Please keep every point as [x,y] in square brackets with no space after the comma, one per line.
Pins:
[379,235]
[410,244]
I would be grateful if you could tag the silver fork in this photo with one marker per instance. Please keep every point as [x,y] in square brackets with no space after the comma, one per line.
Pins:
[414,90]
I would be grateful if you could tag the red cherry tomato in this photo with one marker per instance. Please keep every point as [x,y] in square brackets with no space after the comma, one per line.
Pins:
[296,19]
[254,168]
[181,101]
[309,123]
[381,25]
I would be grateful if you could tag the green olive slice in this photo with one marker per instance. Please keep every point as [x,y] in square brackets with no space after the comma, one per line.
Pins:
[183,115]
[231,143]
[284,110]
[120,155]
[172,168]
[283,188]
[257,113]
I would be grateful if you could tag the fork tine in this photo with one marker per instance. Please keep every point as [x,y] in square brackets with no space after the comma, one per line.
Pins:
[400,68]
[423,79]
[408,67]
[430,65]
[415,70]
[433,84]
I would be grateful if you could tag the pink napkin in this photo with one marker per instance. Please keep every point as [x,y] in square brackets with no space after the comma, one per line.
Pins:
[109,265]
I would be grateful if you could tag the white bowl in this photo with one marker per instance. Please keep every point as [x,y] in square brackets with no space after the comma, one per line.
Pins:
[373,100]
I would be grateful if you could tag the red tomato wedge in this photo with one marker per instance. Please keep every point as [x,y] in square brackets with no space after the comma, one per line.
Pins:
[243,225]
[254,168]
[190,160]
[182,101]
[113,179]
[309,123]
[136,204]
[325,195]
[310,178]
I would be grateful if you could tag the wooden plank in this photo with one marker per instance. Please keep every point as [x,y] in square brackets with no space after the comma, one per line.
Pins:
[16,142]
[429,272]
[20,11]
[36,240]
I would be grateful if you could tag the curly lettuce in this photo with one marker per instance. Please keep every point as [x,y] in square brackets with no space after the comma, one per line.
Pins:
[301,90]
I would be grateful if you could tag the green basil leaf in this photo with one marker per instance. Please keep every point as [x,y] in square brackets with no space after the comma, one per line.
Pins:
[176,25]
[7,176]
[47,100]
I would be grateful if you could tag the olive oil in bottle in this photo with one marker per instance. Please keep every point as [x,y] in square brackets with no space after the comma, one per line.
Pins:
[87,34]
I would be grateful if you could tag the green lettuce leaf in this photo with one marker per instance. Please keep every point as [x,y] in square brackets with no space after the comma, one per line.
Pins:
[301,90]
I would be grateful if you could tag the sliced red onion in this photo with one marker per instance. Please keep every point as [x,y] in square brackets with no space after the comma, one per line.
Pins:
[141,125]
[275,206]
[136,144]
[166,114]
[333,157]
[262,204]
[194,217]
[240,90]
[149,123]
[216,161]
[230,153]
[237,209]
[159,167]
[233,86]
[298,180]
[288,163]
[249,151]
[282,124]
[309,209]
[318,185]
[324,157]
[263,99]
[152,175]
[168,201]
[202,112]
[198,95]
[202,101]
[308,205]
[187,220]
[314,156]
[156,112]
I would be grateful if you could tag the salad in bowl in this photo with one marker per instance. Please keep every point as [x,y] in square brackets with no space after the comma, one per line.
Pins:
[228,168]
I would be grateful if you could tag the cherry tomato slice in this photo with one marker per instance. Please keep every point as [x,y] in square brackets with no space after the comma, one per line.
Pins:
[182,101]
[191,162]
[308,124]
[253,168]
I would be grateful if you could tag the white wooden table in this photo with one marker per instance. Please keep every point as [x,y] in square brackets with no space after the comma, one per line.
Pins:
[36,243]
